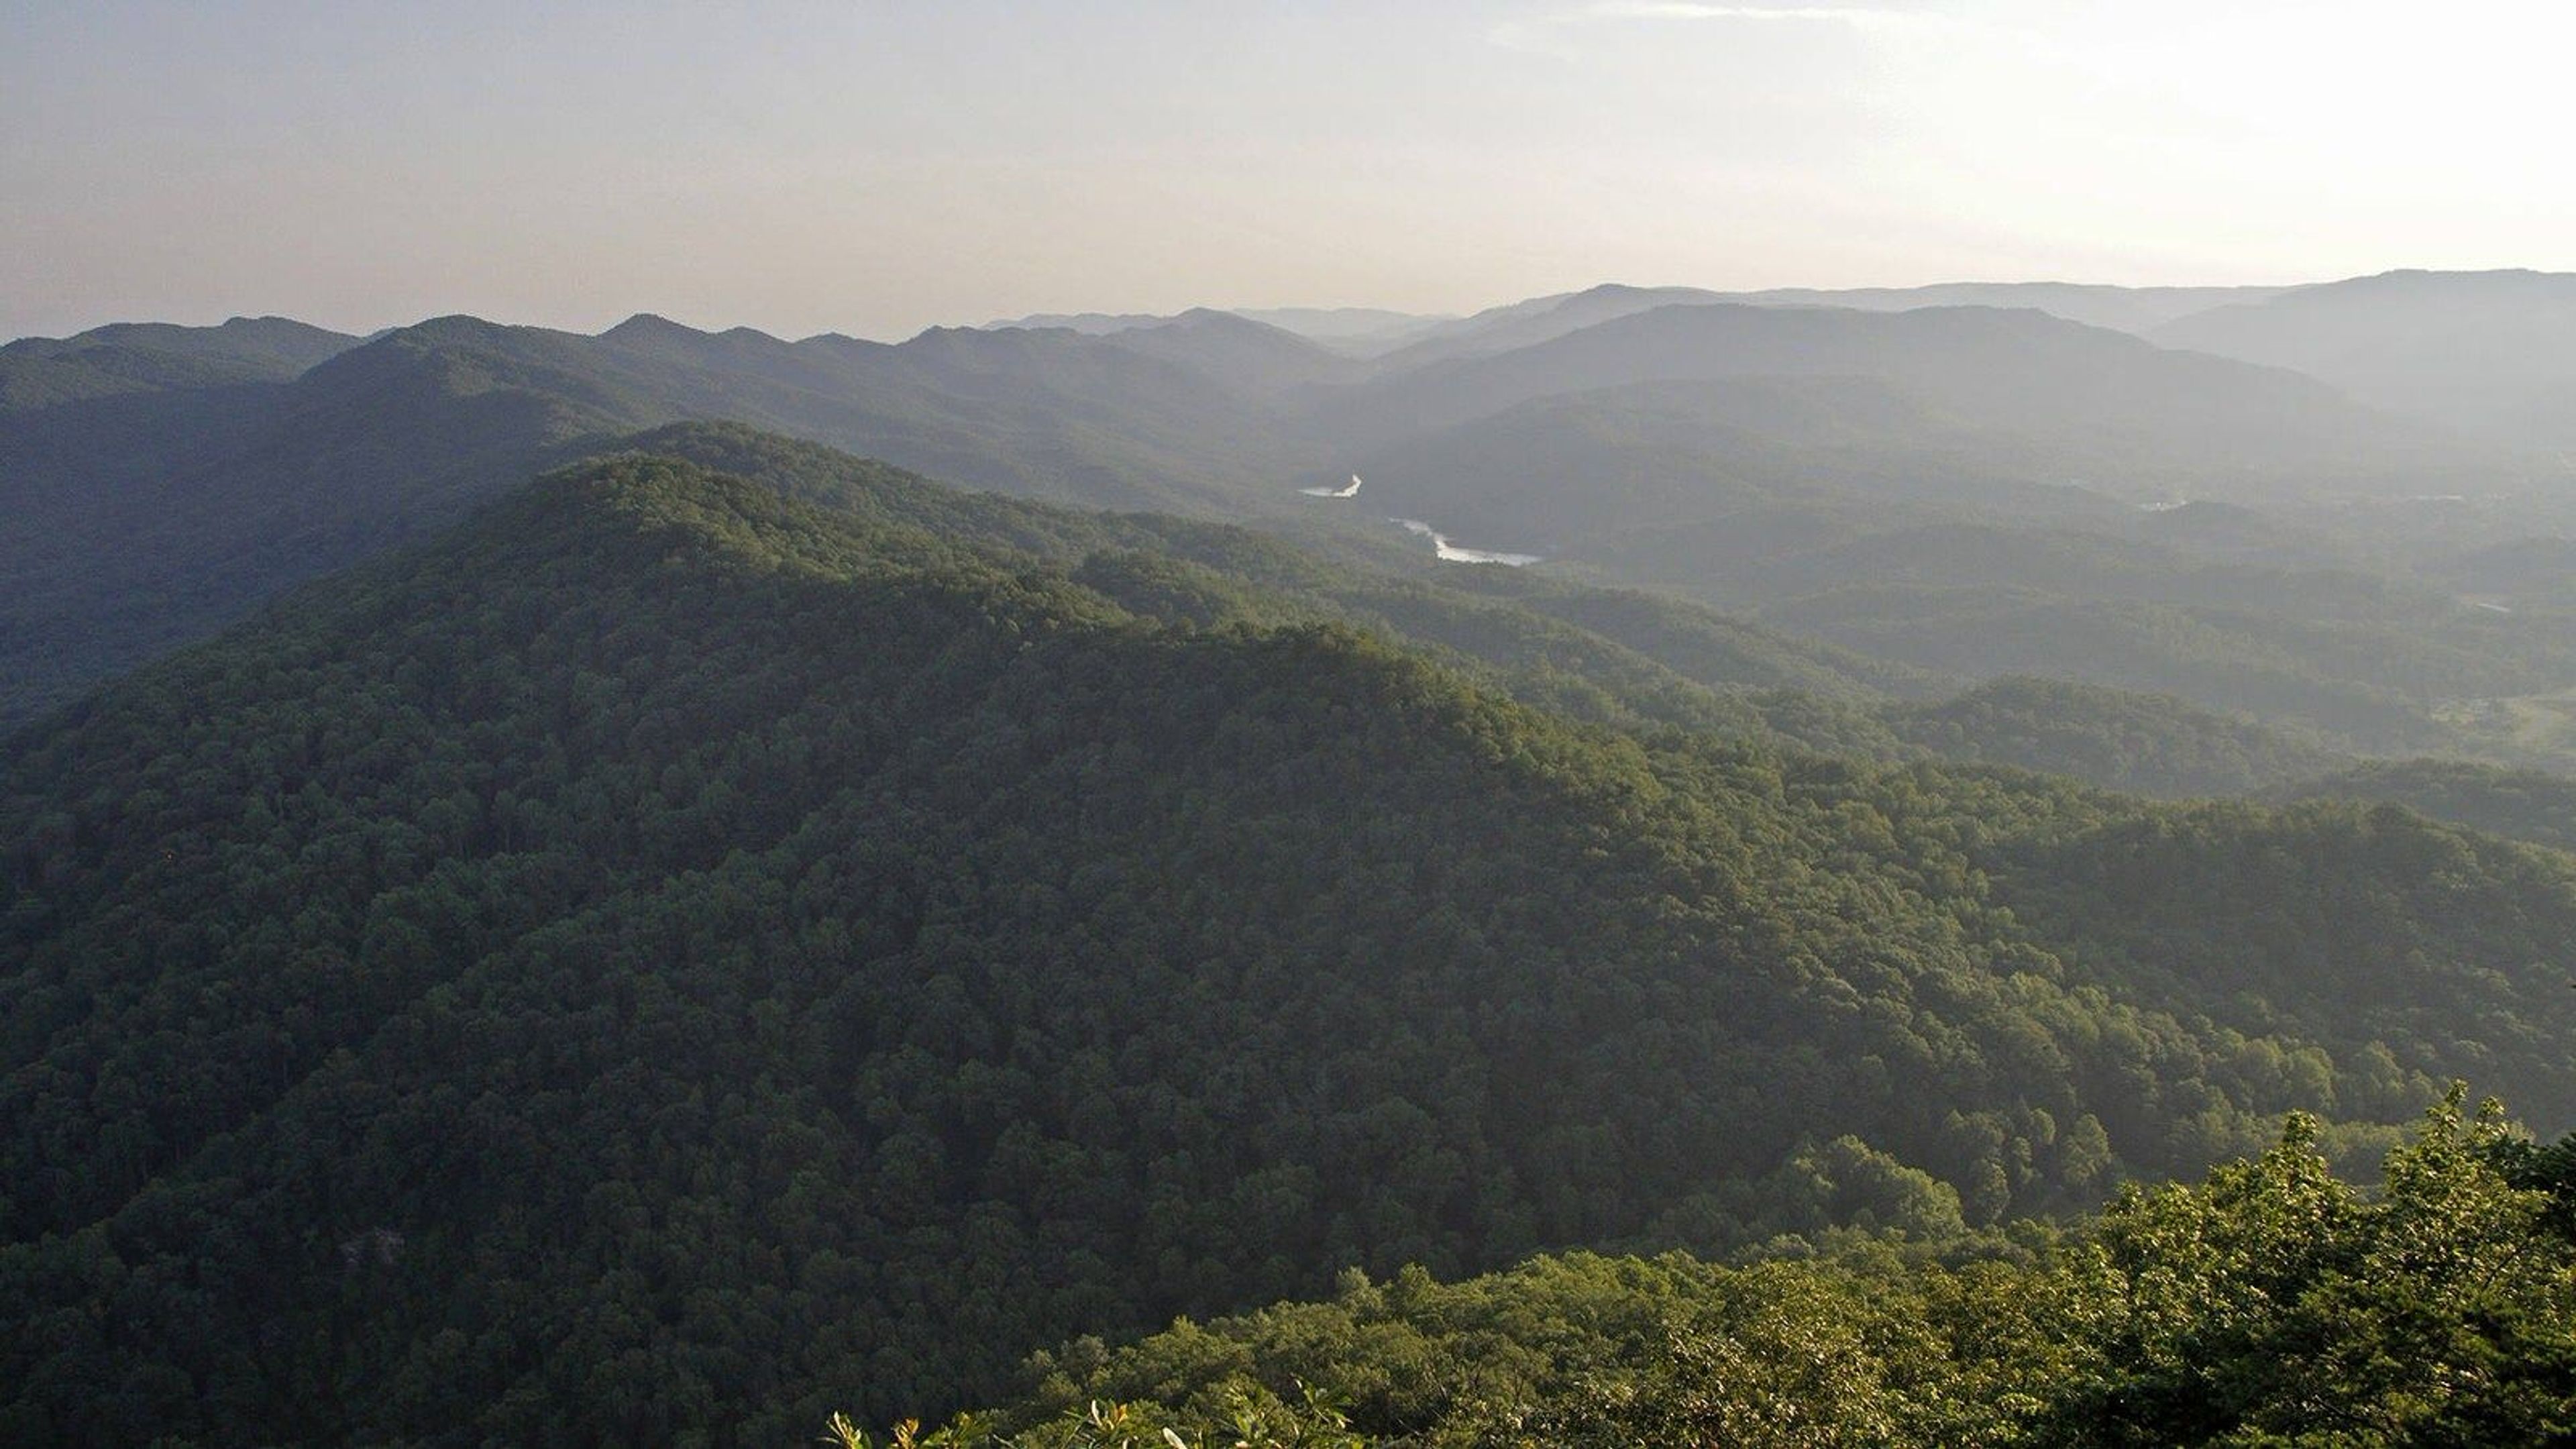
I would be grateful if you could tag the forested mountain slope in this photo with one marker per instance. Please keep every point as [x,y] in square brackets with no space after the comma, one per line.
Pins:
[2530,805]
[2146,744]
[148,519]
[2272,1303]
[1980,493]
[1839,510]
[1622,656]
[146,515]
[1602,653]
[2391,685]
[165,480]
[668,959]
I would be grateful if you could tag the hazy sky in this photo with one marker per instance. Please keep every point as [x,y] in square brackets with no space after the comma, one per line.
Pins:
[873,167]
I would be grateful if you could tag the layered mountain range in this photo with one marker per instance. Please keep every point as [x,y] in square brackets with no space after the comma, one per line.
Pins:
[732,929]
[544,897]
[167,479]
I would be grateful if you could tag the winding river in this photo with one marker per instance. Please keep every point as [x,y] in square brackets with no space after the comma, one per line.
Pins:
[1453,553]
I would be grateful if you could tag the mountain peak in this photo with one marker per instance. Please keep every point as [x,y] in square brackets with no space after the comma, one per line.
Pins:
[644,326]
[454,327]
[648,510]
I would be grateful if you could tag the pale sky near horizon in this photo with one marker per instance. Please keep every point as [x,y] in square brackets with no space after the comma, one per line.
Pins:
[875,166]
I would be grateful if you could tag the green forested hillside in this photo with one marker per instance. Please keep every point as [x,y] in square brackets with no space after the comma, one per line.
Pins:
[1868,512]
[163,480]
[1906,502]
[2368,685]
[2270,1304]
[668,960]
[1943,492]
[150,518]
[1603,654]
[1611,654]
[2145,744]
[2519,804]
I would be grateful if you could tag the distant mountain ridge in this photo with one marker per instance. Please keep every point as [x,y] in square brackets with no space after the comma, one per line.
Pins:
[152,508]
[164,480]
[2004,370]
[139,357]
[1410,339]
[1355,331]
[1521,324]
[2490,353]
[280,343]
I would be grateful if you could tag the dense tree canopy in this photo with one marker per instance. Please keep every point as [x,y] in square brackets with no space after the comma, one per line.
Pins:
[668,961]
[2273,1303]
